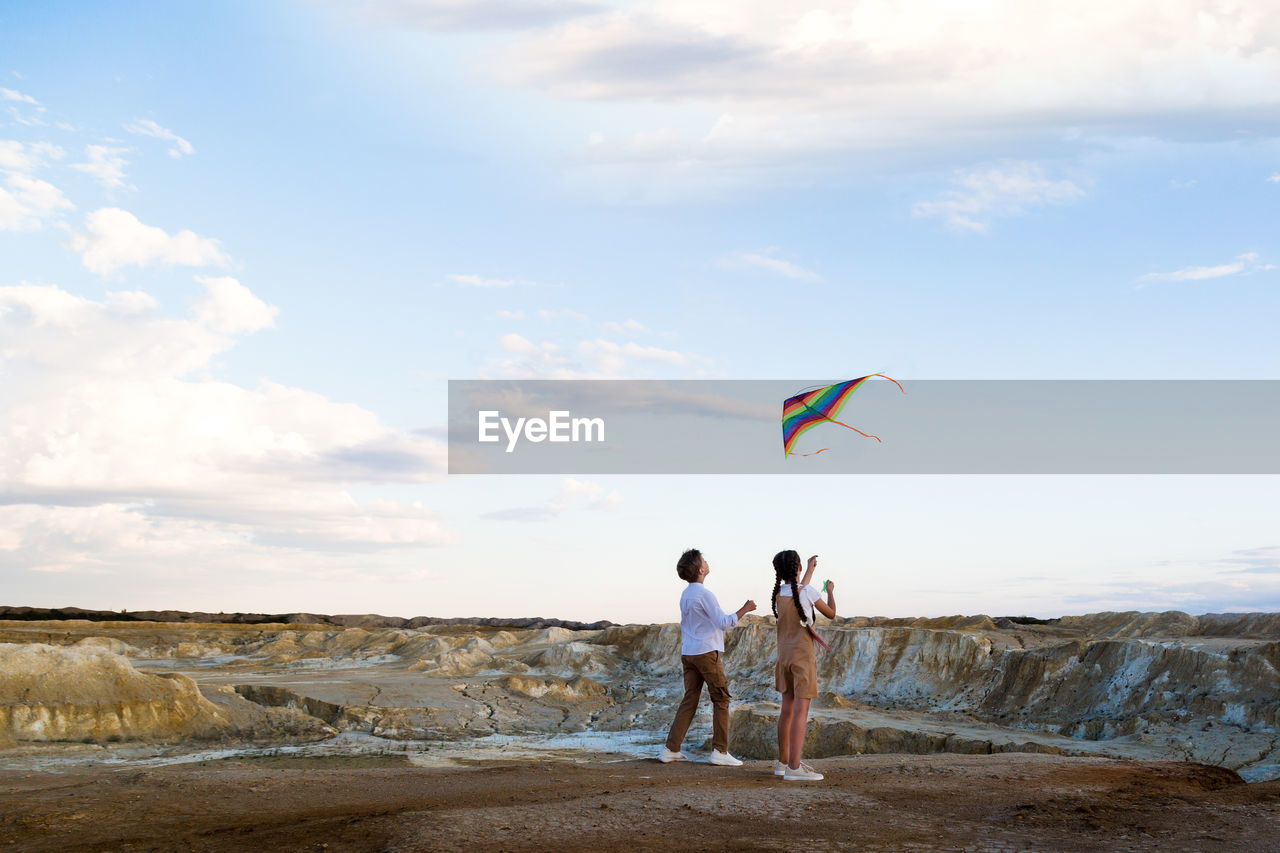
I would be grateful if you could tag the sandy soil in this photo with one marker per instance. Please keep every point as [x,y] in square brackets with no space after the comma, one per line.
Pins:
[1009,802]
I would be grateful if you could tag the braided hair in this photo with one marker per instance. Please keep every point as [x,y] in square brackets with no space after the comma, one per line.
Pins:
[786,566]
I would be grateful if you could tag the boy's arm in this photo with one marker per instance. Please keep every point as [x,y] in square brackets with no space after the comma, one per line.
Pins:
[724,621]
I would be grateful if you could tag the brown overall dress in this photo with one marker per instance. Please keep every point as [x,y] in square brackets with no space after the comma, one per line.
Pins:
[797,670]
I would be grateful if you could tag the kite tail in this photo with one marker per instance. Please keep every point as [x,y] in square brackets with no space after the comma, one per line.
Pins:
[891,379]
[855,429]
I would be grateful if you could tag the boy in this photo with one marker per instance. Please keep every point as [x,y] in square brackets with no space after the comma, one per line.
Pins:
[702,627]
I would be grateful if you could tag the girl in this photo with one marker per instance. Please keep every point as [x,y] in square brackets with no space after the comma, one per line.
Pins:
[797,670]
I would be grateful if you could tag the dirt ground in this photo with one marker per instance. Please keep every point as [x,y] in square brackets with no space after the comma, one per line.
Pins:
[1010,802]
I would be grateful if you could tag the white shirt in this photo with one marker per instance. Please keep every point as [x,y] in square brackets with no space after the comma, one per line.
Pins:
[808,595]
[702,622]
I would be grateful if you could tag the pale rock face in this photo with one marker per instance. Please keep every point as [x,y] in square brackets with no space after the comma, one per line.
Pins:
[108,644]
[1138,684]
[83,694]
[87,694]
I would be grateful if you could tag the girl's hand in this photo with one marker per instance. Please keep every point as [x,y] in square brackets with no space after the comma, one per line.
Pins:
[831,587]
[813,563]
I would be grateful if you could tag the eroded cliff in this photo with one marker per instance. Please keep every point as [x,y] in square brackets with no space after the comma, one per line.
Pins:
[1147,685]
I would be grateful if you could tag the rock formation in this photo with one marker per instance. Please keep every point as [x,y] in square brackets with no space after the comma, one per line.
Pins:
[1147,685]
[91,694]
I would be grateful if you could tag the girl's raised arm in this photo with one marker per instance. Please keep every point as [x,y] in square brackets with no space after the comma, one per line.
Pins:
[809,570]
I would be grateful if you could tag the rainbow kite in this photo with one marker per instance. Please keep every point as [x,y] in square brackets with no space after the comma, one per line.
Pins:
[806,410]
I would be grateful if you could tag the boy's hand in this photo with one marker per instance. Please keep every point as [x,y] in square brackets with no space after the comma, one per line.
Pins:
[746,608]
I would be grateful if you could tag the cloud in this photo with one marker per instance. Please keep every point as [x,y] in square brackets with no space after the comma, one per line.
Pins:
[1243,264]
[27,158]
[774,89]
[675,397]
[115,238]
[767,260]
[1273,178]
[105,165]
[115,441]
[147,127]
[573,495]
[511,315]
[587,359]
[473,280]
[613,359]
[563,313]
[919,64]
[11,95]
[1261,561]
[1246,581]
[474,15]
[627,327]
[230,308]
[1006,189]
[532,360]
[26,203]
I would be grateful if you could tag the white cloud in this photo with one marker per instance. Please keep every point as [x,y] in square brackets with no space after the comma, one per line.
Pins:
[531,360]
[612,359]
[1005,189]
[115,238]
[768,89]
[563,313]
[918,62]
[11,95]
[1274,178]
[473,280]
[572,495]
[26,158]
[473,15]
[768,261]
[1243,264]
[511,315]
[26,203]
[17,116]
[627,327]
[587,359]
[229,307]
[104,164]
[147,127]
[115,447]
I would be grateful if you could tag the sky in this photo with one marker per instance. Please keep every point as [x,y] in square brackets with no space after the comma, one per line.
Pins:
[245,245]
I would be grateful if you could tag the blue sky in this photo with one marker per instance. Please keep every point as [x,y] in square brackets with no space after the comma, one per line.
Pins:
[245,245]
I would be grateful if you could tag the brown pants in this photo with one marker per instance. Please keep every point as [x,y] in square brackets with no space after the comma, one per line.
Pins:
[698,670]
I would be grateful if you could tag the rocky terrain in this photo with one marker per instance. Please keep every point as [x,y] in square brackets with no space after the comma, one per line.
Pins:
[1150,686]
[889,803]
[1133,731]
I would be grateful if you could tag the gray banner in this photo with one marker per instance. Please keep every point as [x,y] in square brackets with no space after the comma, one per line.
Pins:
[936,427]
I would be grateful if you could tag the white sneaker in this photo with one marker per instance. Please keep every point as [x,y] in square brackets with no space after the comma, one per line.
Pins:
[724,759]
[800,774]
[667,756]
[780,769]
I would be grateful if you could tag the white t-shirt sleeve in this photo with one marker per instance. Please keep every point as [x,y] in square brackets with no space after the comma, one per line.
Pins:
[808,595]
